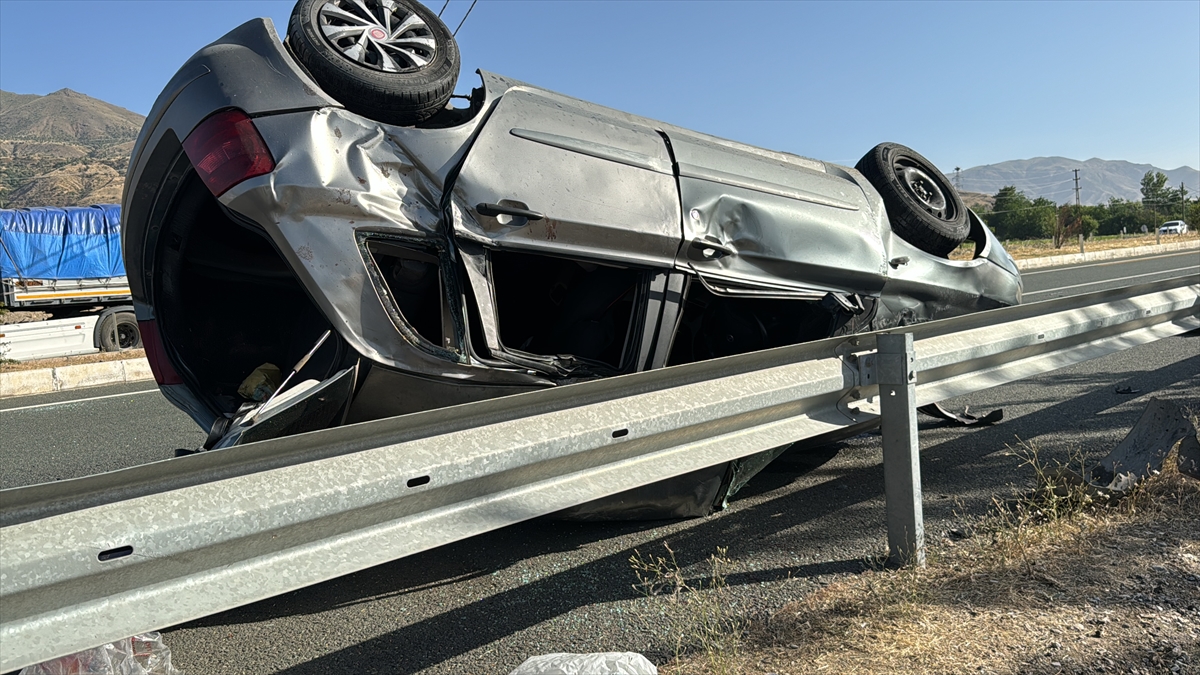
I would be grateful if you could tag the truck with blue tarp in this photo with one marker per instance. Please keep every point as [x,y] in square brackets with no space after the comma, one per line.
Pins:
[67,261]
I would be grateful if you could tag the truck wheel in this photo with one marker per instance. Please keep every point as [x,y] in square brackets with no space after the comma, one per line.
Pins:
[390,60]
[923,207]
[119,332]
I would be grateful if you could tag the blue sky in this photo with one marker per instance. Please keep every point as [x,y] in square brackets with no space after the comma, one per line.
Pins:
[965,83]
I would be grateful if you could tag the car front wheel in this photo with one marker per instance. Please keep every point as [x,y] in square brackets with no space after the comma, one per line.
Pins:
[924,208]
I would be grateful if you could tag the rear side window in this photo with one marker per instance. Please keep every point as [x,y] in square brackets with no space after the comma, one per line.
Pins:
[414,286]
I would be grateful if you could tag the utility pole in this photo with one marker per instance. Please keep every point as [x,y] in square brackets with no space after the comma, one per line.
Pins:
[1078,218]
[958,178]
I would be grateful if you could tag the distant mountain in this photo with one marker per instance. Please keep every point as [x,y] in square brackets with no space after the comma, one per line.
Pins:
[1054,178]
[63,149]
[977,200]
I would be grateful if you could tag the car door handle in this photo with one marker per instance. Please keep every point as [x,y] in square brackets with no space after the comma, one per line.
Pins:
[504,209]
[710,248]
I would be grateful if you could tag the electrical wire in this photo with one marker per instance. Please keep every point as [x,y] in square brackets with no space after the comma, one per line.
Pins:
[443,8]
[464,19]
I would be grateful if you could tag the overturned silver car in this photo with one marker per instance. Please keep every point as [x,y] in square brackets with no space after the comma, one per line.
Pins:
[317,205]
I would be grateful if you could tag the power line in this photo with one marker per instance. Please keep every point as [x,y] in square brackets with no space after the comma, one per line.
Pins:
[464,19]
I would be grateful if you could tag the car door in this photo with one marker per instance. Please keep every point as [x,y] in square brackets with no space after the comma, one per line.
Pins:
[555,175]
[770,223]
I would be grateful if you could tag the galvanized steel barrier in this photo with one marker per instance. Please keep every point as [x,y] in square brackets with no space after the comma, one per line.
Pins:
[94,559]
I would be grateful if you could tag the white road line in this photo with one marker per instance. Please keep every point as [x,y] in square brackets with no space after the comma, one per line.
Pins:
[1109,281]
[1122,261]
[76,400]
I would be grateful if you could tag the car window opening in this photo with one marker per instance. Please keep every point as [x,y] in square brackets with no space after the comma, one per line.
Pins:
[713,326]
[228,303]
[414,280]
[553,306]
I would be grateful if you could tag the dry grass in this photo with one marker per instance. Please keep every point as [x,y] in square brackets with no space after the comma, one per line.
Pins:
[703,624]
[1039,248]
[10,366]
[1049,584]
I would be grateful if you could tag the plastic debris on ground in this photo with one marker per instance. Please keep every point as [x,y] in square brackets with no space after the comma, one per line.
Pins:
[964,418]
[261,383]
[143,654]
[600,663]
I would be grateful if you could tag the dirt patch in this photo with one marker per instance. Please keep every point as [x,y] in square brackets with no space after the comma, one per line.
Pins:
[7,317]
[1040,248]
[1084,590]
[12,366]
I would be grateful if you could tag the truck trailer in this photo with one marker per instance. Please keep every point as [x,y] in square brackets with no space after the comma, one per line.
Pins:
[67,262]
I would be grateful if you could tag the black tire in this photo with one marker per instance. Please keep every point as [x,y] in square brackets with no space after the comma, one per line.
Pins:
[406,96]
[119,332]
[924,208]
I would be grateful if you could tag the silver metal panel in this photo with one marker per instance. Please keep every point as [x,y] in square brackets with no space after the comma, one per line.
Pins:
[787,221]
[339,174]
[1036,339]
[597,176]
[925,287]
[901,449]
[214,546]
[247,68]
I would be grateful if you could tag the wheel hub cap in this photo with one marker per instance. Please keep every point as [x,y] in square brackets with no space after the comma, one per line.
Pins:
[924,189]
[379,34]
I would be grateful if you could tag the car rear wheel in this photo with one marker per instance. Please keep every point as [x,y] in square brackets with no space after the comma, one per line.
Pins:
[924,208]
[391,60]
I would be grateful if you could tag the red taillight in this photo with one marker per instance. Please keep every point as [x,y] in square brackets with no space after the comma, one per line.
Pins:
[226,149]
[156,354]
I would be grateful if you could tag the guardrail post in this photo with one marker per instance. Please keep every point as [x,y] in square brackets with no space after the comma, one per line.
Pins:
[901,450]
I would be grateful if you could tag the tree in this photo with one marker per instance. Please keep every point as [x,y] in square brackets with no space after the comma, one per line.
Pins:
[1154,188]
[1089,225]
[1041,219]
[1014,216]
[1120,214]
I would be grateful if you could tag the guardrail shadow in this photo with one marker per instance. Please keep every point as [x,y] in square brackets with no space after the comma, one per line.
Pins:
[766,518]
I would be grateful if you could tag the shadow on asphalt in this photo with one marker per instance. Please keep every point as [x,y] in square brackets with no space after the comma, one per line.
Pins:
[746,529]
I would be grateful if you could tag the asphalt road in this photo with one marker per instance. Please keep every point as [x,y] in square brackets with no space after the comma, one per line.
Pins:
[485,604]
[82,432]
[1057,282]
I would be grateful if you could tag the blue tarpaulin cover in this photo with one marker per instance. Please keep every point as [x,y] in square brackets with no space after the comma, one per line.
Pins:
[54,243]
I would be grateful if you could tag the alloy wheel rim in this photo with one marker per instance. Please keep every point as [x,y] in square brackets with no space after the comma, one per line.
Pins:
[382,35]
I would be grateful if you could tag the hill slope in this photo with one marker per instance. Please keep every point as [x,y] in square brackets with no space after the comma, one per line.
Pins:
[63,149]
[1054,178]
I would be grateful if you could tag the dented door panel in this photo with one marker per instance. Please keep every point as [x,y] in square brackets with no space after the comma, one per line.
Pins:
[774,219]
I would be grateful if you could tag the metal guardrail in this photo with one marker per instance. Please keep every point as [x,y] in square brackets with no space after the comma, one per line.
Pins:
[94,559]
